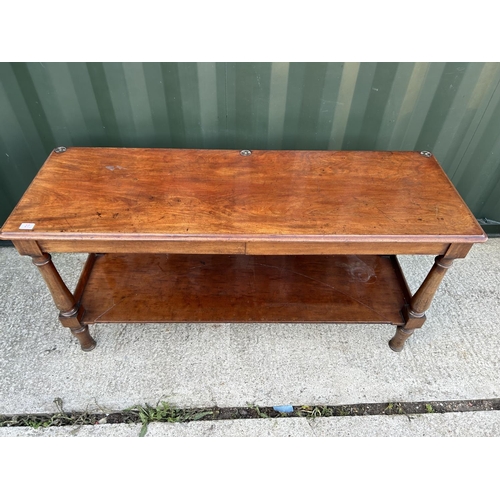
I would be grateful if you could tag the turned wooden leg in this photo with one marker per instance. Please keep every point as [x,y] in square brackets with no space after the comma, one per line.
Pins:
[414,314]
[71,313]
[398,341]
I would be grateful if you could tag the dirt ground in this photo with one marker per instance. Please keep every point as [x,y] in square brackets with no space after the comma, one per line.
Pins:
[165,413]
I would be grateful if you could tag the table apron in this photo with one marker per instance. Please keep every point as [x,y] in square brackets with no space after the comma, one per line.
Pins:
[249,248]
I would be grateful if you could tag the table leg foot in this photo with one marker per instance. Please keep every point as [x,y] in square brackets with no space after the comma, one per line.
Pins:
[398,341]
[87,343]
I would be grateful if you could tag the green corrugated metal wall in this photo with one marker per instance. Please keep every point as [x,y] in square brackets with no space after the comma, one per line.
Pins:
[451,109]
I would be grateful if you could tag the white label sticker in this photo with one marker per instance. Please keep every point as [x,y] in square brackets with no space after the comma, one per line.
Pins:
[27,225]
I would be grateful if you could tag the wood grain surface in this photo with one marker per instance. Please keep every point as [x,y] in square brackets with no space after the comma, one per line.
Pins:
[242,288]
[185,195]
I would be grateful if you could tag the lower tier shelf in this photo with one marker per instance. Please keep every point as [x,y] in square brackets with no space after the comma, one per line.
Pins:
[124,288]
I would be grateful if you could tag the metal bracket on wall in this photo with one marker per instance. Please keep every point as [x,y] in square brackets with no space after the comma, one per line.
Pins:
[490,227]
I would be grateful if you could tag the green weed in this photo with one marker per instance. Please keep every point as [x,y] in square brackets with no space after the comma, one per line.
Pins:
[164,412]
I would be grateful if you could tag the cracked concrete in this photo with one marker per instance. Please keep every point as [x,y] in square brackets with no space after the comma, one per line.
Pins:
[454,356]
[473,424]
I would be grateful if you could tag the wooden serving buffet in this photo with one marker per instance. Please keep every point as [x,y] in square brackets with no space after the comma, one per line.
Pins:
[179,235]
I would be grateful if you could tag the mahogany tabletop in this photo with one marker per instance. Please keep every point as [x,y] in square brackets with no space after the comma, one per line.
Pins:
[207,195]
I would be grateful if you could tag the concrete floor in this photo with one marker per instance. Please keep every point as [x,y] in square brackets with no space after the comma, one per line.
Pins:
[456,355]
